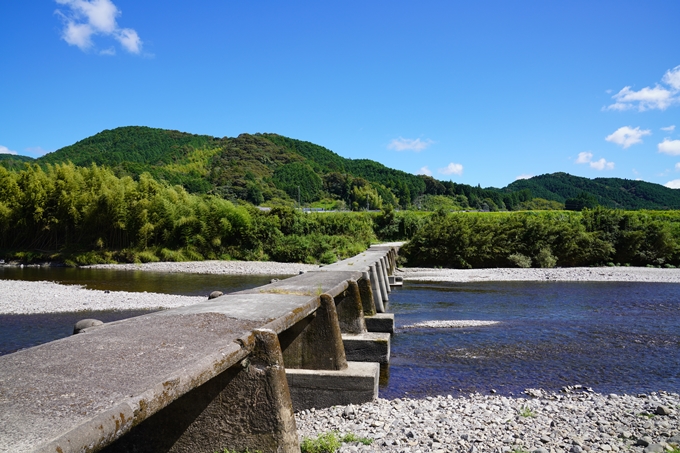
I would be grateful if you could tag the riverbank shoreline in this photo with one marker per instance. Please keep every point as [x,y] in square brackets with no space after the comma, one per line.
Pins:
[24,297]
[214,267]
[564,274]
[575,420]
[18,297]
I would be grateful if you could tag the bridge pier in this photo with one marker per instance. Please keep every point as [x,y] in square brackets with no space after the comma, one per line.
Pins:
[248,406]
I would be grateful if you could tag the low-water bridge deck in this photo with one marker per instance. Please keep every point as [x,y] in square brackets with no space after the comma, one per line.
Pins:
[225,373]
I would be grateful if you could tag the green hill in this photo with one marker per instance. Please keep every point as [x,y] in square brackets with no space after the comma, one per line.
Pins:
[610,192]
[271,169]
[14,161]
[248,167]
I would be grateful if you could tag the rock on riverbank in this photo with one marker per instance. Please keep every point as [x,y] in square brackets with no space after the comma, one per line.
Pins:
[573,421]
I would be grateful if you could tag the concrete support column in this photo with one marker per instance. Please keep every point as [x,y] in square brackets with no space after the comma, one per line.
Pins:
[377,289]
[387,274]
[350,311]
[382,280]
[248,406]
[393,261]
[315,343]
[366,292]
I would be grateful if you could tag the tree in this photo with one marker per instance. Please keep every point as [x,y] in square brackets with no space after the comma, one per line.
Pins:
[582,201]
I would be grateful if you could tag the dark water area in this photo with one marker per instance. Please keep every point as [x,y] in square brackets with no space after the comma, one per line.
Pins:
[24,331]
[138,281]
[613,337]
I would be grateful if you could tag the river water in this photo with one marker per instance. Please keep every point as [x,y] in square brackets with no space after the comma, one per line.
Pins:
[613,337]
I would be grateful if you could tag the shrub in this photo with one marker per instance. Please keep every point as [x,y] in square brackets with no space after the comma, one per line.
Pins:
[520,260]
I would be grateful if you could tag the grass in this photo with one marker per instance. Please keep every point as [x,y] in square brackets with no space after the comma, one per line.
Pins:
[351,437]
[526,412]
[645,415]
[330,442]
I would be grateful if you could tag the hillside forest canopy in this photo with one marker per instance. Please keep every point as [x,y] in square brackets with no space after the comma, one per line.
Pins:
[141,194]
[272,170]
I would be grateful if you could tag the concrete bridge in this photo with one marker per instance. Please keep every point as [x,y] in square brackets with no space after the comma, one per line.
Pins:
[226,373]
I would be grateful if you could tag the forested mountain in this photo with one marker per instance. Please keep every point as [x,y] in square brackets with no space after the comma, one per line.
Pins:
[274,170]
[264,168]
[609,192]
[13,161]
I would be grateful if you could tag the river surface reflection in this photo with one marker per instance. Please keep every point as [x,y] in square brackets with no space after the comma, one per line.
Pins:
[613,337]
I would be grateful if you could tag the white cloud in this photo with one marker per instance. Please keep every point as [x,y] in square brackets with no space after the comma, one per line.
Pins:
[451,169]
[409,144]
[647,98]
[424,171]
[672,78]
[129,39]
[675,184]
[524,176]
[677,166]
[627,136]
[670,128]
[110,51]
[671,147]
[86,18]
[6,150]
[587,158]
[602,164]
[584,158]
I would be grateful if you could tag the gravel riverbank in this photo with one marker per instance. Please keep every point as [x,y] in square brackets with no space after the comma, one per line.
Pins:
[566,274]
[22,297]
[572,421]
[215,267]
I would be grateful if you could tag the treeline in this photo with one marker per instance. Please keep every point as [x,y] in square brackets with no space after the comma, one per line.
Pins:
[609,192]
[88,214]
[599,236]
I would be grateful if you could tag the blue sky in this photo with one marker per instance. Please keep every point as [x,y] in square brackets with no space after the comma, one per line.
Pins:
[475,92]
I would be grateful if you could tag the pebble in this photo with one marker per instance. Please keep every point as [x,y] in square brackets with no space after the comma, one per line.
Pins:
[574,420]
[564,274]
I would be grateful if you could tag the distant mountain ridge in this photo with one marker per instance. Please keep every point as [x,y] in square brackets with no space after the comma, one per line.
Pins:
[260,167]
[610,192]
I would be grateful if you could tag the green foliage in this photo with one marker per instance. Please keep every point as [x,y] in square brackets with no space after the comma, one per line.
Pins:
[609,192]
[249,167]
[298,179]
[330,442]
[351,437]
[526,412]
[540,204]
[14,161]
[324,443]
[582,201]
[88,215]
[520,260]
[546,239]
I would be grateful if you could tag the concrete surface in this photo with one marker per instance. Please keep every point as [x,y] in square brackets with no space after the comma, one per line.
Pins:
[380,322]
[356,384]
[367,347]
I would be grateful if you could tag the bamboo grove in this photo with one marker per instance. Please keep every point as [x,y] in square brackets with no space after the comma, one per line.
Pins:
[82,215]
